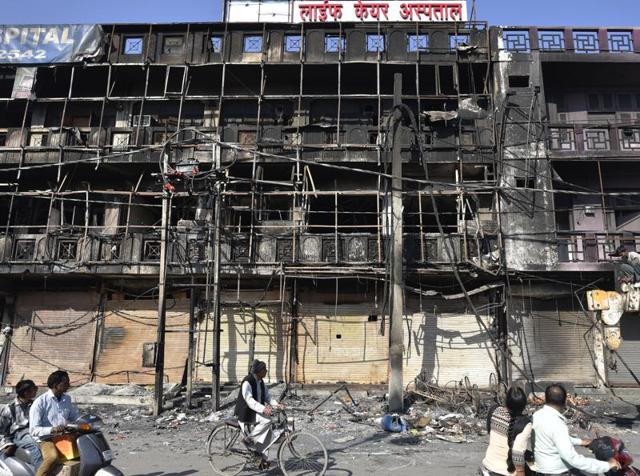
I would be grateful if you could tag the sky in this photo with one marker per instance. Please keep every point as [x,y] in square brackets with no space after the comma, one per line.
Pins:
[496,12]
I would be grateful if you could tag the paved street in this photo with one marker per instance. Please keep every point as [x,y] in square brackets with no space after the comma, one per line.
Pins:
[174,445]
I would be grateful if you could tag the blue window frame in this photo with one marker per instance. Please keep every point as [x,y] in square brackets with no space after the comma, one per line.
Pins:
[517,41]
[551,40]
[292,43]
[133,45]
[334,43]
[375,42]
[620,41]
[216,44]
[417,43]
[253,44]
[586,42]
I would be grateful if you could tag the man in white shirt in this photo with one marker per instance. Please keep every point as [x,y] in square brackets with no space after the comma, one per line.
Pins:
[554,450]
[628,269]
[48,416]
[254,406]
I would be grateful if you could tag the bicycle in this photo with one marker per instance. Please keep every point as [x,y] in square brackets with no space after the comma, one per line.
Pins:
[299,452]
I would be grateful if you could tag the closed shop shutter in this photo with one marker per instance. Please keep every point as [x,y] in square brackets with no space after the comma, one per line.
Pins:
[67,323]
[547,341]
[341,343]
[128,326]
[629,351]
[445,343]
[248,333]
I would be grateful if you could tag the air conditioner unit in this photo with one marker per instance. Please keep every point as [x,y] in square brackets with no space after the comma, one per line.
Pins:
[146,120]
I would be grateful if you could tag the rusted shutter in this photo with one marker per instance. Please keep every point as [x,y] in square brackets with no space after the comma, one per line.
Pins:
[629,351]
[445,343]
[341,343]
[547,340]
[53,331]
[128,326]
[248,333]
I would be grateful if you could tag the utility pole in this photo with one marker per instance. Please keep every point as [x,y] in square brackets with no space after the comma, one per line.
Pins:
[396,338]
[215,368]
[192,335]
[162,294]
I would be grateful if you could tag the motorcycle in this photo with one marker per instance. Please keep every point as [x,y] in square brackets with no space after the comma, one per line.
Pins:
[95,454]
[606,448]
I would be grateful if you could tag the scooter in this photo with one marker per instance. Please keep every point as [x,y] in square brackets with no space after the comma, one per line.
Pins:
[606,448]
[95,453]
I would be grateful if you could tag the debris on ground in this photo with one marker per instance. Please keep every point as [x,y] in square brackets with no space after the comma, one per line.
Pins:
[454,414]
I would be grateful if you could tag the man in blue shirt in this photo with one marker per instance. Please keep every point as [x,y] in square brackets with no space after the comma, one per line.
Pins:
[49,415]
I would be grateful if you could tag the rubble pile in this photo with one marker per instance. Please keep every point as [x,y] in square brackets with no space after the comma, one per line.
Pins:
[454,414]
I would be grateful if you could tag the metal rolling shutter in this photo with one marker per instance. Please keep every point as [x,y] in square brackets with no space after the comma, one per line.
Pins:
[247,335]
[444,343]
[548,342]
[341,343]
[69,322]
[629,351]
[128,325]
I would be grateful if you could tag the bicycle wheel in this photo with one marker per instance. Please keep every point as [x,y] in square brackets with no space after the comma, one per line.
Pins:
[302,454]
[226,454]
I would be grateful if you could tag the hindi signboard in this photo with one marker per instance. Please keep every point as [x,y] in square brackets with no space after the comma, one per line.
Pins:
[394,11]
[37,44]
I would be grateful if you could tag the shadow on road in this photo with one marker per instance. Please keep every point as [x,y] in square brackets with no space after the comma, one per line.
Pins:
[162,473]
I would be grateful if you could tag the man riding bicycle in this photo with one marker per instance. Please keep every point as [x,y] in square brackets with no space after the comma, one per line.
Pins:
[254,406]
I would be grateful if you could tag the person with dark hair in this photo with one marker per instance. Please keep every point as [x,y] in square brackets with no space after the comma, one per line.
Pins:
[554,451]
[14,424]
[48,416]
[628,268]
[509,436]
[254,407]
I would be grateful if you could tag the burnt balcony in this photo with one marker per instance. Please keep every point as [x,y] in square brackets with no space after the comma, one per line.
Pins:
[585,141]
[136,250]
[593,247]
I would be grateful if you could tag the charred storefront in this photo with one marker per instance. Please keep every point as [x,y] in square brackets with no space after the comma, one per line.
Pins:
[237,180]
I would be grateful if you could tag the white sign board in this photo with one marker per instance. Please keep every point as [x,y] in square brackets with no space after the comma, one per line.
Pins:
[393,11]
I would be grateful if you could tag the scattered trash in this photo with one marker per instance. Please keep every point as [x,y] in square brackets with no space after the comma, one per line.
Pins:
[393,423]
[346,406]
[344,439]
[451,439]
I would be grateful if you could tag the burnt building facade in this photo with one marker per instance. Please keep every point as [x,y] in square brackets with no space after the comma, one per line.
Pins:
[272,143]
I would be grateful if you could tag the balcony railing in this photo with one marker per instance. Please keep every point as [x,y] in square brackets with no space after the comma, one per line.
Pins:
[187,247]
[585,41]
[570,138]
[593,247]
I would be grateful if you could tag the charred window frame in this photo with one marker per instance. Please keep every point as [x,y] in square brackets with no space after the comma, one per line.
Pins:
[334,44]
[293,43]
[172,44]
[252,44]
[215,43]
[133,45]
[375,42]
[417,43]
[457,40]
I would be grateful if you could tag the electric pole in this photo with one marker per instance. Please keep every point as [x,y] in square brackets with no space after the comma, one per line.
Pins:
[215,306]
[162,278]
[396,338]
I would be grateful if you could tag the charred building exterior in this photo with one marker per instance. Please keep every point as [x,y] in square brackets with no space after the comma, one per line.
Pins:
[272,143]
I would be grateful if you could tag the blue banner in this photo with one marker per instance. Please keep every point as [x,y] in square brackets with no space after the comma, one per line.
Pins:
[36,44]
